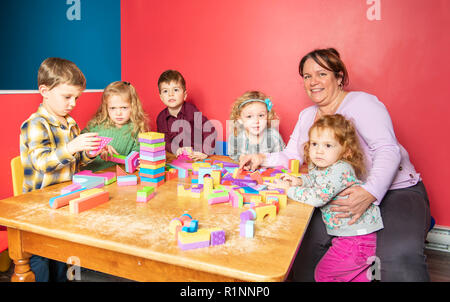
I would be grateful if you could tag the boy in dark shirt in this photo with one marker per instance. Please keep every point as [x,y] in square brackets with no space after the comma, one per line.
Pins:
[184,127]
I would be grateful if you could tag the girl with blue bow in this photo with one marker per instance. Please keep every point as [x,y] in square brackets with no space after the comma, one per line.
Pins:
[255,126]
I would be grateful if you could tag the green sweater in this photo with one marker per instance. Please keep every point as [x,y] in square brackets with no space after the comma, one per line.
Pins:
[122,141]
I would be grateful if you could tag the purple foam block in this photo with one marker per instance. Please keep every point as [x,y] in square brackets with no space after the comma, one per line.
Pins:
[194,245]
[217,237]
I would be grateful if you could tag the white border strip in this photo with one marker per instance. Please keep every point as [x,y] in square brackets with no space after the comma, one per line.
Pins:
[37,91]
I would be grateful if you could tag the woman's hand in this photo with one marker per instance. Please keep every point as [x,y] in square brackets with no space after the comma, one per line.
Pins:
[197,156]
[184,150]
[251,161]
[355,205]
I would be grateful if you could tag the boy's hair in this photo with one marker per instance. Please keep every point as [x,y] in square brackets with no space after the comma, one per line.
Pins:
[138,117]
[237,108]
[345,134]
[171,76]
[55,71]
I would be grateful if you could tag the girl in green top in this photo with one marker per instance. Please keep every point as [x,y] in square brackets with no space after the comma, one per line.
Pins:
[120,117]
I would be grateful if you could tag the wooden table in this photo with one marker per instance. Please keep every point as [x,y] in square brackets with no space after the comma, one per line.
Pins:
[129,239]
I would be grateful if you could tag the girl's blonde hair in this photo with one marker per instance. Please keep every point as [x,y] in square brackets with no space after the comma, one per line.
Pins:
[345,134]
[237,108]
[138,117]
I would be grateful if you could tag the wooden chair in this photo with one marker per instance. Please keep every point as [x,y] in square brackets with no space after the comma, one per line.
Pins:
[17,182]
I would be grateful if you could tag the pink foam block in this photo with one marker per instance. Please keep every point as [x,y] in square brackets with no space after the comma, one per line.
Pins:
[70,188]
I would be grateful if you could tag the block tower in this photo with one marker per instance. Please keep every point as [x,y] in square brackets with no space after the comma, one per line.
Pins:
[152,158]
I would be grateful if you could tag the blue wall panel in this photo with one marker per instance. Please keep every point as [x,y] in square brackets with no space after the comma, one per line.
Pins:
[86,32]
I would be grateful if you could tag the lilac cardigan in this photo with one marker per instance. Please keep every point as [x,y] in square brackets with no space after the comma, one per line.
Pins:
[388,162]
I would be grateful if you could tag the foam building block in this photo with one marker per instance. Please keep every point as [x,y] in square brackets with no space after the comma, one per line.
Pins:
[132,162]
[199,239]
[218,196]
[145,194]
[196,190]
[182,192]
[294,165]
[217,237]
[236,199]
[208,186]
[104,141]
[109,177]
[152,158]
[193,227]
[171,174]
[88,182]
[265,210]
[70,188]
[120,172]
[248,215]
[257,177]
[88,202]
[128,180]
[116,158]
[247,228]
[64,199]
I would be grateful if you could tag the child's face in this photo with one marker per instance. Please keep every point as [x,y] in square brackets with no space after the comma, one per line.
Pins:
[324,149]
[254,118]
[61,99]
[119,110]
[172,94]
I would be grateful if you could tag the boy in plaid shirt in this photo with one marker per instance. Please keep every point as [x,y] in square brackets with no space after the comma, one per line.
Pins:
[51,147]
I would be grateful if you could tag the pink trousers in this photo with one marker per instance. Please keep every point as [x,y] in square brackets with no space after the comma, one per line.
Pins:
[347,260]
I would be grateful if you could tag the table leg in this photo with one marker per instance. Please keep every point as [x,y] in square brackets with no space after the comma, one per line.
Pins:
[22,270]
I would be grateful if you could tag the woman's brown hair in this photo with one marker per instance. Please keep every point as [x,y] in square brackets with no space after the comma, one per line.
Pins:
[329,59]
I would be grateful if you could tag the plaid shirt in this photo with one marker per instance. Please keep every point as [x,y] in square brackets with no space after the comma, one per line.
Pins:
[43,150]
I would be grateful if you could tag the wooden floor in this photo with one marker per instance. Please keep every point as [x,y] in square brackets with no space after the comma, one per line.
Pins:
[438,266]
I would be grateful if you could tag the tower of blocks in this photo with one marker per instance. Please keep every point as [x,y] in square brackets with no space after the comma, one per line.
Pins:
[152,158]
[189,236]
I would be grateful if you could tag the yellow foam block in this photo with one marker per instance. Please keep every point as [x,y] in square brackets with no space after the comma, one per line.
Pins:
[256,199]
[269,178]
[196,166]
[151,135]
[263,211]
[146,166]
[216,176]
[199,236]
[282,199]
[264,194]
[181,191]
[208,185]
[90,192]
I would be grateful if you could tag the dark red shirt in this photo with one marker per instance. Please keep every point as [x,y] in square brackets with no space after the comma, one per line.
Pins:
[190,128]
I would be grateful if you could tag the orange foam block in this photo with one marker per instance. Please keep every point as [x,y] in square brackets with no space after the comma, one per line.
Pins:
[82,204]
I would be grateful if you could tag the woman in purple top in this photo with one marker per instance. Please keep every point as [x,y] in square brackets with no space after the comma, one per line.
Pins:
[392,182]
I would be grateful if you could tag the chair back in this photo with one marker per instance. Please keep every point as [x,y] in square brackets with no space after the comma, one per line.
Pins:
[17,175]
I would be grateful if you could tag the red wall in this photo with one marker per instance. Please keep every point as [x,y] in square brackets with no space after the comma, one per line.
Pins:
[16,108]
[224,48]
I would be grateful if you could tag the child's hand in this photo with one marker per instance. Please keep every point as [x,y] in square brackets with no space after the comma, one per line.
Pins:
[294,181]
[107,151]
[84,142]
[198,156]
[184,150]
[280,184]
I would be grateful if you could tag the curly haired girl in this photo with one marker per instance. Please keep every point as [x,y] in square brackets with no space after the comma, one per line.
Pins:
[255,126]
[335,162]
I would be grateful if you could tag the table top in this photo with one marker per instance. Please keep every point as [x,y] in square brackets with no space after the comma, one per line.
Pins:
[142,229]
